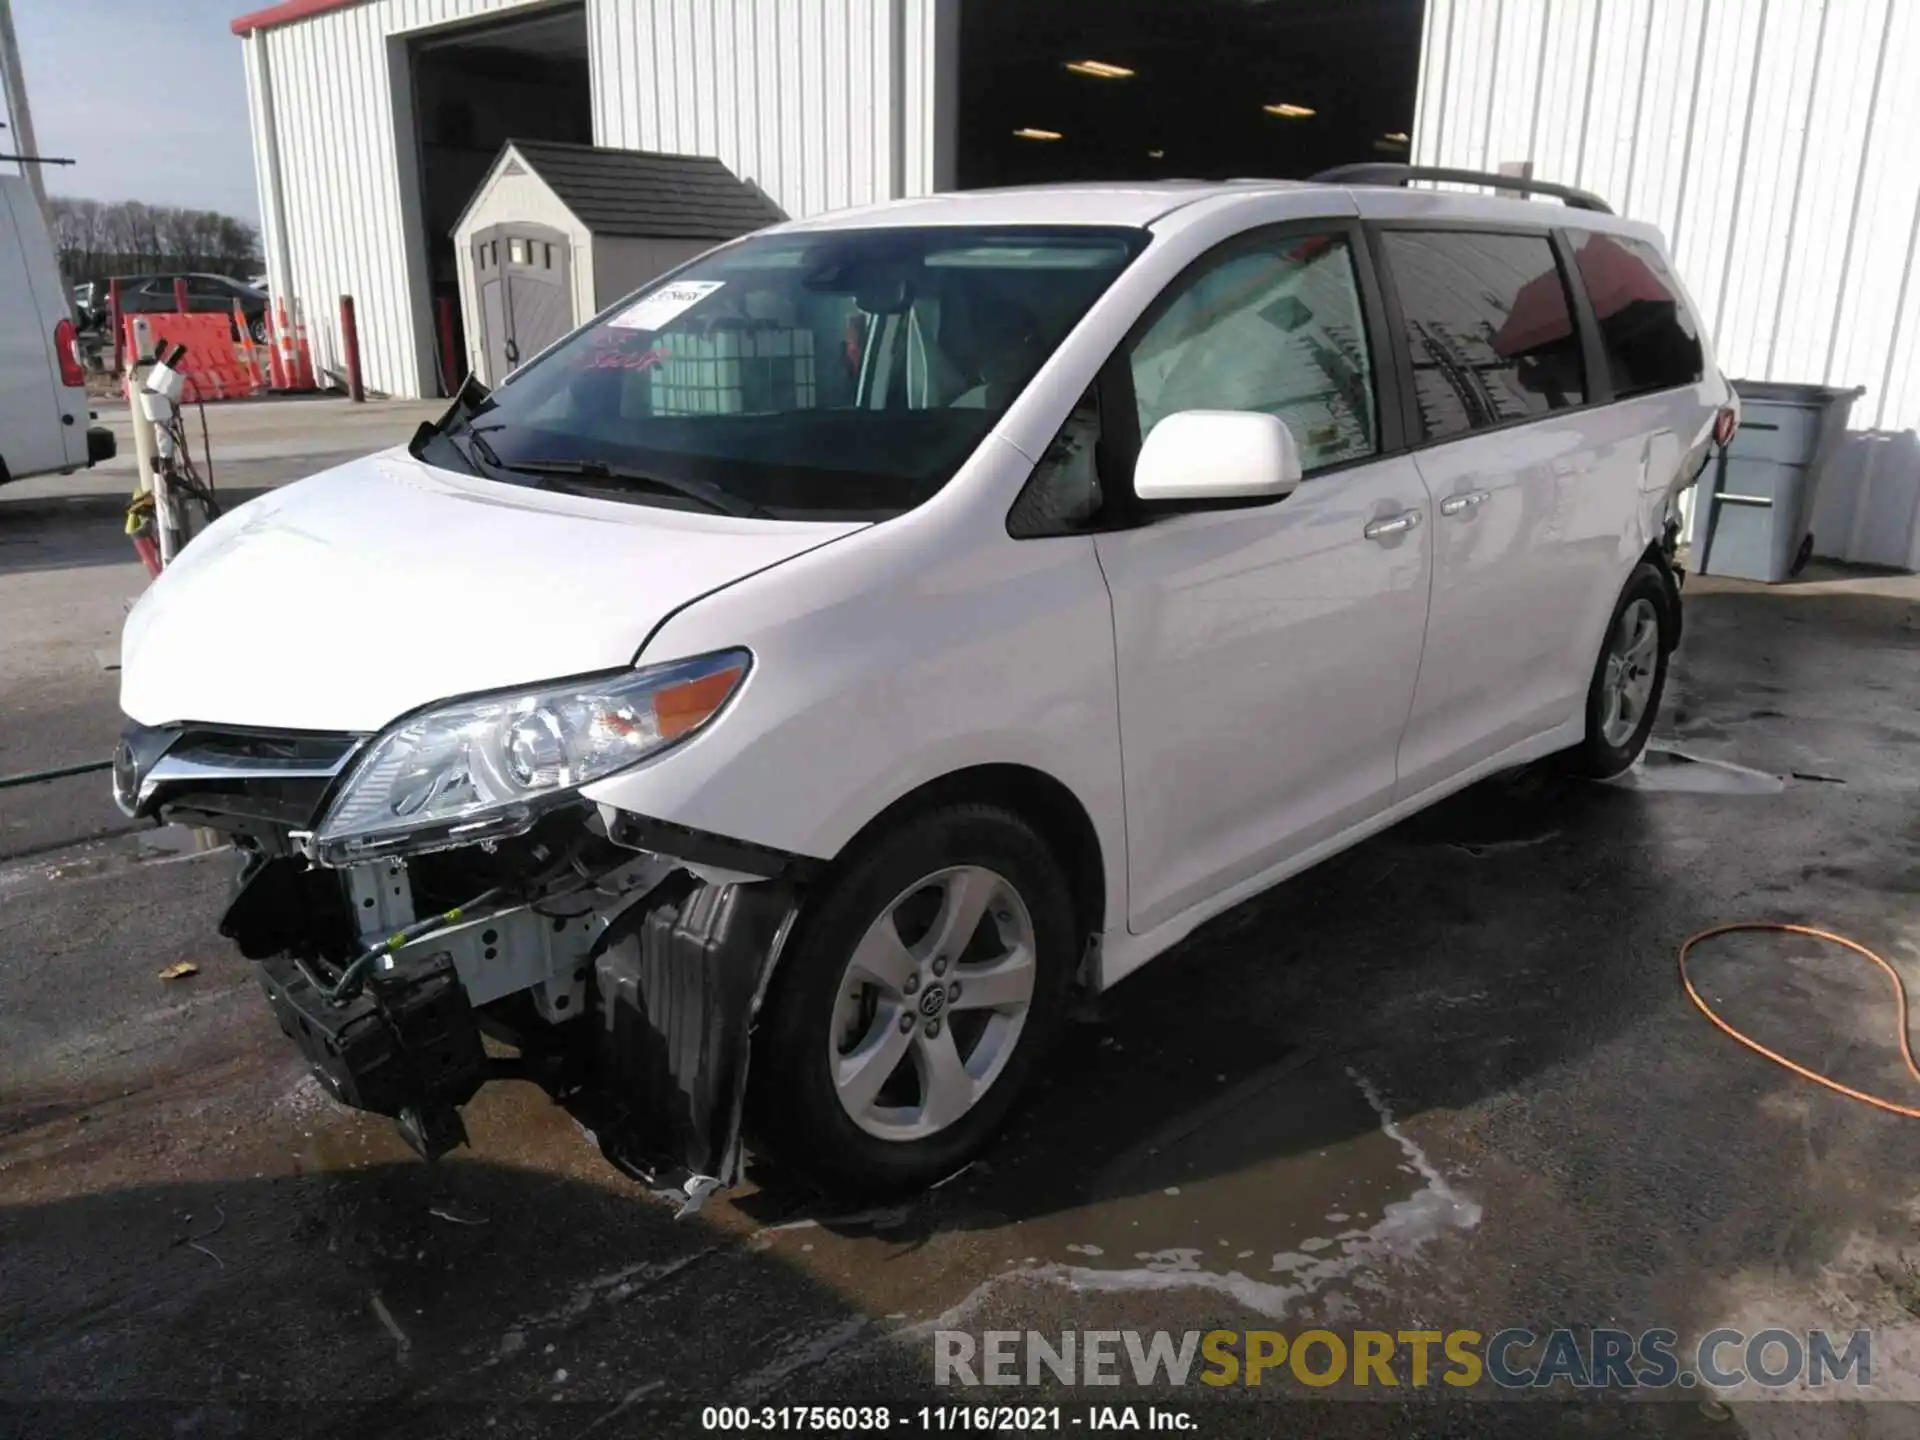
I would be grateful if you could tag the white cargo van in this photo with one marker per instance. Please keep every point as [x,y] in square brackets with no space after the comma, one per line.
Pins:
[43,392]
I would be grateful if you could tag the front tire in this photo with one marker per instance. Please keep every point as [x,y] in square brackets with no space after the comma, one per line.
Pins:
[928,974]
[1629,677]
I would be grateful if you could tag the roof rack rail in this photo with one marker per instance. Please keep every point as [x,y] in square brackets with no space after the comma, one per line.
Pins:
[1382,173]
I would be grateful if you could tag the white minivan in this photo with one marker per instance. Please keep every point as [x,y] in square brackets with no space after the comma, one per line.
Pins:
[43,390]
[762,711]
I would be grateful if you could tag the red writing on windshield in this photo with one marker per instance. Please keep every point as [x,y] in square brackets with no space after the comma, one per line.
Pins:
[616,355]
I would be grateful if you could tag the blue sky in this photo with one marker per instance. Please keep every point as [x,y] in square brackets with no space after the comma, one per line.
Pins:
[149,96]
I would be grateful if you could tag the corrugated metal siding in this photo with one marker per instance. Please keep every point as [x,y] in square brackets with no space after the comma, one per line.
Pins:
[795,95]
[347,218]
[1773,141]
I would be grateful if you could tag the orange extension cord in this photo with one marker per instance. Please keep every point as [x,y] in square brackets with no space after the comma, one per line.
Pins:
[1899,995]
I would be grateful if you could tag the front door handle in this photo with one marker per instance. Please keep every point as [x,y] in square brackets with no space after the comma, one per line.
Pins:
[1389,526]
[1456,504]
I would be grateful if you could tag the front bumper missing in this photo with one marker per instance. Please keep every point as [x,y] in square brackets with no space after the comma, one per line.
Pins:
[652,1060]
[659,1076]
[406,1046]
[626,961]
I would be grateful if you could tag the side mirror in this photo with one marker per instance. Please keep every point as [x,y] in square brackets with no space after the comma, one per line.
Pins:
[1217,455]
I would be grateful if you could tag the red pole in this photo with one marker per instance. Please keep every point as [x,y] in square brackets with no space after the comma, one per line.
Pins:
[350,340]
[449,375]
[180,294]
[113,318]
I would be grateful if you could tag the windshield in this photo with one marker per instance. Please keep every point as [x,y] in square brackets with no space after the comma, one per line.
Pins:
[818,375]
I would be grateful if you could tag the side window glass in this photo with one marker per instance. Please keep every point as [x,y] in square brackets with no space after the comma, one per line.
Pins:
[1275,326]
[1489,328]
[1652,340]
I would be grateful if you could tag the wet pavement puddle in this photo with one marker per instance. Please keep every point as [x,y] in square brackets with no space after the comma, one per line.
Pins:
[1665,769]
[1289,1182]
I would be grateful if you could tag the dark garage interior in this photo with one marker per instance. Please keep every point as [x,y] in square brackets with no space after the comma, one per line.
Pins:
[1048,90]
[1217,88]
[476,87]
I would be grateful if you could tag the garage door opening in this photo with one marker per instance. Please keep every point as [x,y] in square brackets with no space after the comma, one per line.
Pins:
[1211,89]
[474,89]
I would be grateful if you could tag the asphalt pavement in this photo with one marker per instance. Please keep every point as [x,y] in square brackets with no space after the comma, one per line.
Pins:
[1447,1080]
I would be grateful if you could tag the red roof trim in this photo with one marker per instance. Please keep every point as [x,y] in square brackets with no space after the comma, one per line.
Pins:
[286,13]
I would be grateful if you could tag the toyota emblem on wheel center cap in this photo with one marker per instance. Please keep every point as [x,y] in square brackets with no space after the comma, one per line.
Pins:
[933,1000]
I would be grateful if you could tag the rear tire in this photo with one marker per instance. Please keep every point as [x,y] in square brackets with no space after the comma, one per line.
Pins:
[897,1033]
[1629,677]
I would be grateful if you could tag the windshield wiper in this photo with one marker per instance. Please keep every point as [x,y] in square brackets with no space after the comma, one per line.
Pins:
[456,424]
[476,446]
[711,496]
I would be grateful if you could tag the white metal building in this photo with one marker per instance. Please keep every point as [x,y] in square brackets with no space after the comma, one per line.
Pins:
[821,103]
[1773,140]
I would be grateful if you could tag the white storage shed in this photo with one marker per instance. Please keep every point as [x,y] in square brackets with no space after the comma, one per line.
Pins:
[557,232]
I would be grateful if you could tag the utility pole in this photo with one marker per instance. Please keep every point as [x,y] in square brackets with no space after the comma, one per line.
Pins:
[18,114]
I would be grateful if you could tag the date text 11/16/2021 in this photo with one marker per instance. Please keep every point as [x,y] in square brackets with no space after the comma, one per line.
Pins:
[945,1419]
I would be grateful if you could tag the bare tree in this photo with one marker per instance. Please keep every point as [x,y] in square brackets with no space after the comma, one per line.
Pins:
[98,239]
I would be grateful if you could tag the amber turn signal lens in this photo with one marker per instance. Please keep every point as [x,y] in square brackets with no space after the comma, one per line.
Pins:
[680,708]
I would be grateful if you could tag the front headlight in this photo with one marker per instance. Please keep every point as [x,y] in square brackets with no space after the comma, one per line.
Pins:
[482,769]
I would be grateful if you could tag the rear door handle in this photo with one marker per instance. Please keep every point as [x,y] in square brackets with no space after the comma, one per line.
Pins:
[1456,504]
[1389,526]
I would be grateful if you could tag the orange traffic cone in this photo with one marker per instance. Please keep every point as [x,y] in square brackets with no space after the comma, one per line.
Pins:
[282,354]
[303,357]
[249,360]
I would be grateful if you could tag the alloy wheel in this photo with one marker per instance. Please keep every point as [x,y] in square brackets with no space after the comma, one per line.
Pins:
[932,1003]
[1633,657]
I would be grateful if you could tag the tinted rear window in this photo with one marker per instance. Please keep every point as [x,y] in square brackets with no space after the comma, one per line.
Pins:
[1651,338]
[1489,328]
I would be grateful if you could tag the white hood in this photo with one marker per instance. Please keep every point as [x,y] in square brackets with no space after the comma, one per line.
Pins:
[346,600]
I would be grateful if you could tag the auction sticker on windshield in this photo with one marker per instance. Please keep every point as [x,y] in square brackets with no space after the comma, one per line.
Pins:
[665,305]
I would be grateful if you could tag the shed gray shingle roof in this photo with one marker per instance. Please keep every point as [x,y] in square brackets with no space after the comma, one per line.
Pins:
[638,192]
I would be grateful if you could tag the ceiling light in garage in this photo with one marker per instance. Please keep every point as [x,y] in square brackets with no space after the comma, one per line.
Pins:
[1099,69]
[1027,132]
[1396,137]
[1289,111]
[1156,154]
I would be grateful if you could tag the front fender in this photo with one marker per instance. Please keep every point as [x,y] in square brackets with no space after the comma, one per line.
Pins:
[899,655]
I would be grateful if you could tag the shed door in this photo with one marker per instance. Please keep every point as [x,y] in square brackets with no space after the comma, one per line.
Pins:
[526,293]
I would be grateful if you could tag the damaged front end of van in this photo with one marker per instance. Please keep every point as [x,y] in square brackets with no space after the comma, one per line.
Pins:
[418,936]
[430,875]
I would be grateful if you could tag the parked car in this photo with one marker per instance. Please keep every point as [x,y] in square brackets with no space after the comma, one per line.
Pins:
[43,388]
[770,703]
[152,294]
